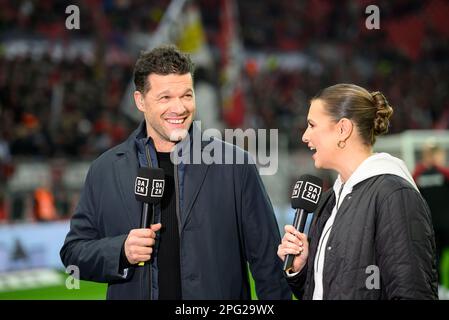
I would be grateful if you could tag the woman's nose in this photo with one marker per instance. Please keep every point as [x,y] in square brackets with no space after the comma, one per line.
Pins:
[305,137]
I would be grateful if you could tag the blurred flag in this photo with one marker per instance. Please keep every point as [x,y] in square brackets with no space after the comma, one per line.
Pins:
[437,13]
[231,66]
[191,36]
[407,34]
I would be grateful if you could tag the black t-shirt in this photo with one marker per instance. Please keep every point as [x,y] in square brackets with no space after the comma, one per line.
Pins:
[169,274]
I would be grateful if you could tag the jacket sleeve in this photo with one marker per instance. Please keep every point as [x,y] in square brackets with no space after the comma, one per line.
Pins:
[97,257]
[297,282]
[261,239]
[405,247]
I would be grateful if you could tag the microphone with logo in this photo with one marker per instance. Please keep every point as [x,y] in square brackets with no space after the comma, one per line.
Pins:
[305,197]
[149,189]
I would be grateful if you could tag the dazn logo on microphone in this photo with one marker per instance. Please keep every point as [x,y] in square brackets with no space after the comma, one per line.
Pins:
[297,189]
[311,192]
[157,189]
[142,186]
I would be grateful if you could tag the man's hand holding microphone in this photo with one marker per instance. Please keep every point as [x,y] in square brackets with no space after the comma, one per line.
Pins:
[139,244]
[149,189]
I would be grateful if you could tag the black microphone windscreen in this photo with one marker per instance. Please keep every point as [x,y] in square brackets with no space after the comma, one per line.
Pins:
[306,193]
[149,186]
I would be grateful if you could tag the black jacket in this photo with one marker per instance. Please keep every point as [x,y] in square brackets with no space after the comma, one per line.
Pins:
[225,222]
[384,222]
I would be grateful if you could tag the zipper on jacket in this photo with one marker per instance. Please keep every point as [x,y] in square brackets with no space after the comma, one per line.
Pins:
[150,164]
[320,242]
[339,194]
[175,168]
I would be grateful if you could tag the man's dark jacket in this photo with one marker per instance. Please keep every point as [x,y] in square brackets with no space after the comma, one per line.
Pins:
[382,229]
[225,221]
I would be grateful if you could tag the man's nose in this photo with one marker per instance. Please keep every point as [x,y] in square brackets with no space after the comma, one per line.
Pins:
[178,106]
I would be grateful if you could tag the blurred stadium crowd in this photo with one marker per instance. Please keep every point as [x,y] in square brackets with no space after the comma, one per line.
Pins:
[61,90]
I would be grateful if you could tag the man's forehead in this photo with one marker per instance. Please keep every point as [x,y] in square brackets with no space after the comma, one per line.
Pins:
[172,82]
[169,78]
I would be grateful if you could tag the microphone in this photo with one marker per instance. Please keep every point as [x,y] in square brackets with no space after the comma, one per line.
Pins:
[149,189]
[305,197]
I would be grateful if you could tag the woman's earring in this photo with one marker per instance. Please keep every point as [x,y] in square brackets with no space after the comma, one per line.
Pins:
[341,144]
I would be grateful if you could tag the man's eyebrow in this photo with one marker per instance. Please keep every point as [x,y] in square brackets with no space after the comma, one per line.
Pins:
[163,93]
[167,92]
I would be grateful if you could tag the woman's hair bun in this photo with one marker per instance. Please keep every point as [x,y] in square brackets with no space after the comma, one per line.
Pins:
[383,113]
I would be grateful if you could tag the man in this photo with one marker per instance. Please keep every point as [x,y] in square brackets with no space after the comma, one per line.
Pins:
[212,221]
[432,179]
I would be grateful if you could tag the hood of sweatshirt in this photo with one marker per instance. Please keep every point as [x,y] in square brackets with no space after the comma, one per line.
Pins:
[375,165]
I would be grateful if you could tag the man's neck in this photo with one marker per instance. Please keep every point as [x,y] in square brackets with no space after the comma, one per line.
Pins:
[164,146]
[161,145]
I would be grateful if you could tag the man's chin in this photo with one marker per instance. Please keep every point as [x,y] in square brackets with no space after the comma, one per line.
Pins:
[178,134]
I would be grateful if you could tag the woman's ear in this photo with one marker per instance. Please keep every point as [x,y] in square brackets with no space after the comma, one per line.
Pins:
[345,128]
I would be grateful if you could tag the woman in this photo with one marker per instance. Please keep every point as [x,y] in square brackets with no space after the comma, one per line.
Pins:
[371,236]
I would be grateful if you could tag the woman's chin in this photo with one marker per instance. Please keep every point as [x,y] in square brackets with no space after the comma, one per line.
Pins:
[321,165]
[316,162]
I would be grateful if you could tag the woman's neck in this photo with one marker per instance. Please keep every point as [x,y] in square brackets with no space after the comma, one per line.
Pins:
[351,162]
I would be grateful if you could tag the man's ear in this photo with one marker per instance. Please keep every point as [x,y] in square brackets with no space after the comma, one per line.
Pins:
[138,99]
[345,127]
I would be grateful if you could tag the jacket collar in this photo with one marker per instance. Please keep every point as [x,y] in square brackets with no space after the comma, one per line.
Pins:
[323,202]
[130,144]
